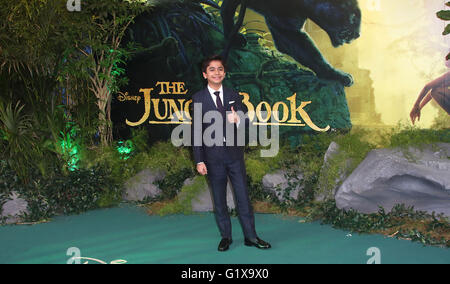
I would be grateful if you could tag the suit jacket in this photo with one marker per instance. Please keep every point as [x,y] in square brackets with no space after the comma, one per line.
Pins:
[213,153]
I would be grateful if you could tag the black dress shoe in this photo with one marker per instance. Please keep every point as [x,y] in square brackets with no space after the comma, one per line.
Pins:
[258,243]
[225,244]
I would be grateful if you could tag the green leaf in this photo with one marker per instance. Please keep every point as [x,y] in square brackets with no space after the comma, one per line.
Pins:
[444,15]
[447,30]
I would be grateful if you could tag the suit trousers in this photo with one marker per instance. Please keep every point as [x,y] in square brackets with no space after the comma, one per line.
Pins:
[218,173]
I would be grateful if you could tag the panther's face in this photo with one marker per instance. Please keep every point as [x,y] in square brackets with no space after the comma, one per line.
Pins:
[341,19]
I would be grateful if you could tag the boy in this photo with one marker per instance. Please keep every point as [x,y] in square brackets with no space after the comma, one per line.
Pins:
[222,160]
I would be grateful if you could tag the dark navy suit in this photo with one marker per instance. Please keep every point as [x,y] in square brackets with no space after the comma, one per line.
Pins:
[224,161]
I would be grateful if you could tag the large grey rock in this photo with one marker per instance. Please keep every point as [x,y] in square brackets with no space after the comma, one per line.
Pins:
[387,177]
[142,185]
[327,183]
[278,183]
[14,209]
[203,201]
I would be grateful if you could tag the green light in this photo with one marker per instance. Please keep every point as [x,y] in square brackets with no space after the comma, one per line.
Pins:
[69,148]
[125,148]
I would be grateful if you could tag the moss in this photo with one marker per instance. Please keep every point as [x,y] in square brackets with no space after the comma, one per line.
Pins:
[257,166]
[405,136]
[256,169]
[110,198]
[352,151]
[442,120]
[183,202]
[163,156]
[107,157]
[265,207]
[155,207]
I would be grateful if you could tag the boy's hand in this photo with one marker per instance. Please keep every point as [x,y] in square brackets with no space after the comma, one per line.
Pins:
[201,169]
[233,117]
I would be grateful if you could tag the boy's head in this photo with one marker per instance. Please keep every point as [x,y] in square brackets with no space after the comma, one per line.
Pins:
[214,70]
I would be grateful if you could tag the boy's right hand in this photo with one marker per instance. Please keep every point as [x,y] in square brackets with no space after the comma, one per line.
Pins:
[201,169]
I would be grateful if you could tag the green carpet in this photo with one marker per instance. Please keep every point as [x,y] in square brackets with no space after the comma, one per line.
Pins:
[128,233]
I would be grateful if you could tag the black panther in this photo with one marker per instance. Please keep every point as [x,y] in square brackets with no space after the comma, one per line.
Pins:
[341,19]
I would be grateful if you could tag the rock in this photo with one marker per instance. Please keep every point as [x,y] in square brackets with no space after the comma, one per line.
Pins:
[386,178]
[327,189]
[332,151]
[278,183]
[142,185]
[203,201]
[14,209]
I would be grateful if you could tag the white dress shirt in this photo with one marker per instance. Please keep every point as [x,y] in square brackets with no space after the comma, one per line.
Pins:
[212,91]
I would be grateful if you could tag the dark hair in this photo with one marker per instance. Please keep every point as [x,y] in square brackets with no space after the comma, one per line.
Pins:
[208,61]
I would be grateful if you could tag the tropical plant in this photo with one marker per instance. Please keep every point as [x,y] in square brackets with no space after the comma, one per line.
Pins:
[18,138]
[32,47]
[98,40]
[45,50]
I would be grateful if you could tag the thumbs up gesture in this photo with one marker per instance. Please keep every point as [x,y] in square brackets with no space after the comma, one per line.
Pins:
[233,117]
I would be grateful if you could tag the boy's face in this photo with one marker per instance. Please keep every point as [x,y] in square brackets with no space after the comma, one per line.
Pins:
[215,73]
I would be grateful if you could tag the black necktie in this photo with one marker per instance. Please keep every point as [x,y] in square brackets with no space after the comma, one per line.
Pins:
[219,103]
[221,109]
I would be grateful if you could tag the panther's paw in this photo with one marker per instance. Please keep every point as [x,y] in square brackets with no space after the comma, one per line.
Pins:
[347,80]
[337,75]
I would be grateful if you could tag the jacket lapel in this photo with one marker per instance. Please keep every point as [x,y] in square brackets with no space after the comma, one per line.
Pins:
[207,99]
[226,99]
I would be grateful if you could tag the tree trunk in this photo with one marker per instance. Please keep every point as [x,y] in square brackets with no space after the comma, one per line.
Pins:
[105,126]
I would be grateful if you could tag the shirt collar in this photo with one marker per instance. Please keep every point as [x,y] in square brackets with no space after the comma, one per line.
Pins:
[211,90]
